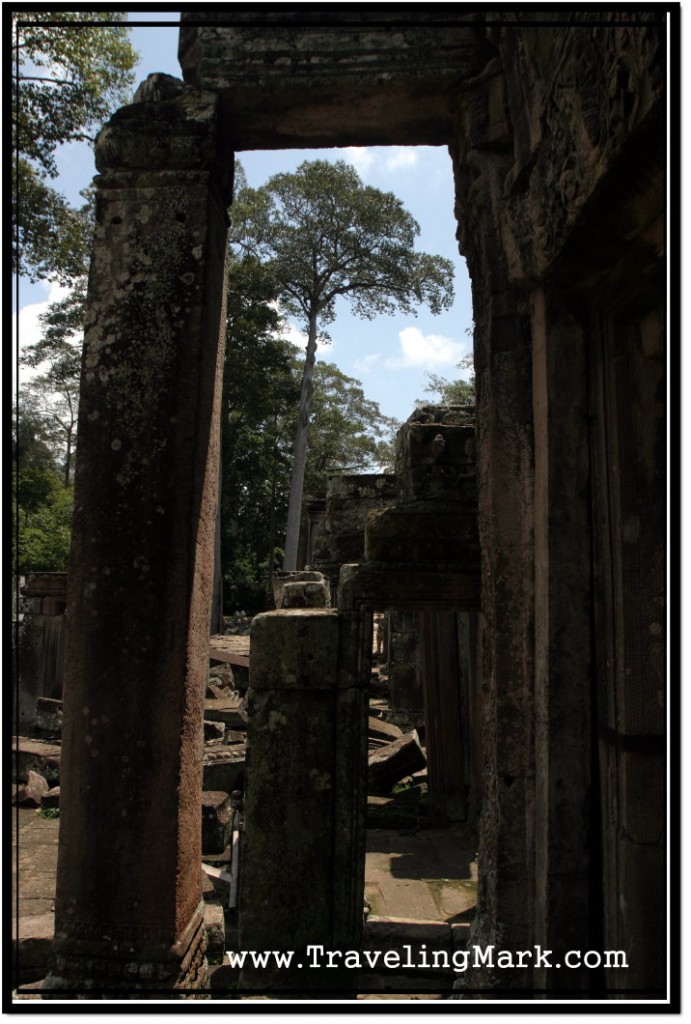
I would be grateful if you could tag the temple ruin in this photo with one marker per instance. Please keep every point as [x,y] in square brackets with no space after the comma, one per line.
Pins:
[537,530]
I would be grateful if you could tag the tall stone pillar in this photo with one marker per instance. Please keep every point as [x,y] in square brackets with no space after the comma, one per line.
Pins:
[565,893]
[445,730]
[41,645]
[128,902]
[303,855]
[405,683]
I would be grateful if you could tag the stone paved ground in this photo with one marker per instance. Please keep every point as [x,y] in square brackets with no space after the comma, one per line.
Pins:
[430,875]
[426,876]
[34,862]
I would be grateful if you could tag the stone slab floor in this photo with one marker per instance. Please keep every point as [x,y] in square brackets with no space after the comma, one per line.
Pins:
[411,878]
[430,875]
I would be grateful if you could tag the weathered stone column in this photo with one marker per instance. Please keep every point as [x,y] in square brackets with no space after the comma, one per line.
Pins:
[405,682]
[41,645]
[564,890]
[445,731]
[128,912]
[302,873]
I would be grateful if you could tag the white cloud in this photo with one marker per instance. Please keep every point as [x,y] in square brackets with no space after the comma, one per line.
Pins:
[29,327]
[427,350]
[371,160]
[360,157]
[369,363]
[400,156]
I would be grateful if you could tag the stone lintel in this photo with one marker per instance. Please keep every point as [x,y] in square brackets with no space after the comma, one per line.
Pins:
[333,80]
[378,586]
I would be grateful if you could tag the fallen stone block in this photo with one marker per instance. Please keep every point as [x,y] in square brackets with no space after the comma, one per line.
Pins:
[33,790]
[37,756]
[395,761]
[208,887]
[222,675]
[224,768]
[214,732]
[377,728]
[49,716]
[51,798]
[229,710]
[214,926]
[217,815]
[215,692]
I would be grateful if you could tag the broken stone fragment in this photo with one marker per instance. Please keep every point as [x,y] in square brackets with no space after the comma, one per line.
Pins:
[51,798]
[227,710]
[217,817]
[222,676]
[214,926]
[214,732]
[49,716]
[381,730]
[33,790]
[37,756]
[224,768]
[390,764]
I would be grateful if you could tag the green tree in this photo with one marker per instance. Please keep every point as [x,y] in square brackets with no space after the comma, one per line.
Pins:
[453,392]
[72,70]
[260,392]
[326,235]
[56,390]
[43,505]
[348,432]
[258,388]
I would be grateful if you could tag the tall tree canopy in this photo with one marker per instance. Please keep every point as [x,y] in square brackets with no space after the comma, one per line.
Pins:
[260,392]
[325,235]
[72,70]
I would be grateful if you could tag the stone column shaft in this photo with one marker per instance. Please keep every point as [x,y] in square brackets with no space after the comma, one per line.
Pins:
[128,901]
[303,854]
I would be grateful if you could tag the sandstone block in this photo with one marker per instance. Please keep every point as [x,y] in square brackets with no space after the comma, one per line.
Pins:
[33,790]
[224,768]
[390,764]
[216,821]
[51,798]
[214,732]
[214,926]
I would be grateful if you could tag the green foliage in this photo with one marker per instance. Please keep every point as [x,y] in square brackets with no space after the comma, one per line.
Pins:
[43,531]
[50,812]
[452,392]
[72,70]
[42,504]
[349,433]
[260,406]
[56,391]
[325,235]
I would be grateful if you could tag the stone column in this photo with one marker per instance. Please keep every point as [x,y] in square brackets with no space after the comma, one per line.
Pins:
[128,902]
[405,684]
[303,855]
[565,894]
[445,735]
[41,645]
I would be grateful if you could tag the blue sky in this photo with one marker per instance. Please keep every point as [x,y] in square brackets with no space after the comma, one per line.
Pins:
[389,354]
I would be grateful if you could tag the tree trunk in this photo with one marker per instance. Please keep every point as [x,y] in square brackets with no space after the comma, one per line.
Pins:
[297,479]
[216,616]
[270,604]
